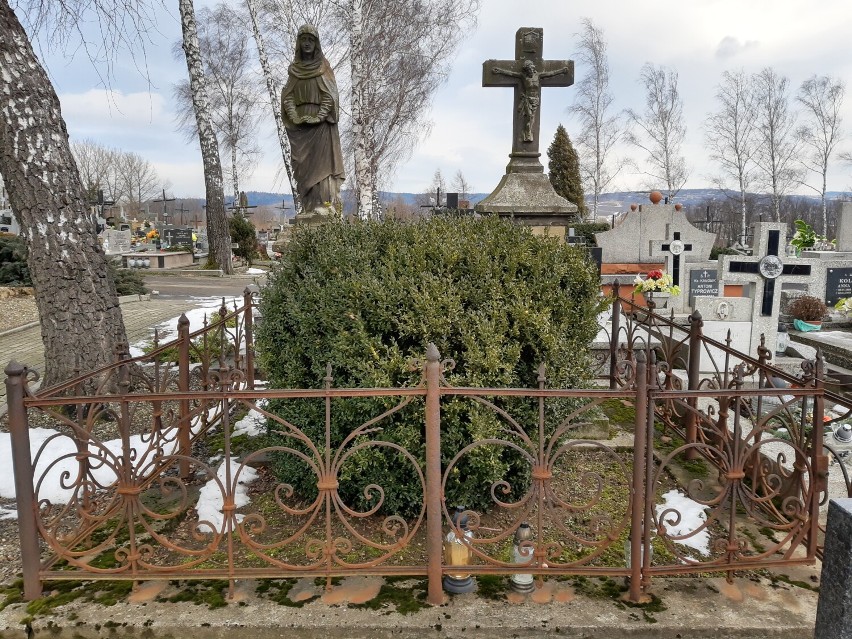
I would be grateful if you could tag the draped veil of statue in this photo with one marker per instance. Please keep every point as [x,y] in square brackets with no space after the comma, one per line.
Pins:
[310,107]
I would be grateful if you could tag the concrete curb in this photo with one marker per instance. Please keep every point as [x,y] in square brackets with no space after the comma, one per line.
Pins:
[693,609]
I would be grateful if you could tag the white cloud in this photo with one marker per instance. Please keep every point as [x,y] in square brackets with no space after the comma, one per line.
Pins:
[731,46]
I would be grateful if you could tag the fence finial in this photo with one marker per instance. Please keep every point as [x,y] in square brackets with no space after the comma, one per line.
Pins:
[432,353]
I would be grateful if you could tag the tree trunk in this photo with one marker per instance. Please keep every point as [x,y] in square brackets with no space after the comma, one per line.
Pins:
[274,99]
[218,234]
[81,320]
[363,181]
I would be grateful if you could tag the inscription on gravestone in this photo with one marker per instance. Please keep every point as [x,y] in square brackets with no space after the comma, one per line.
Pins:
[838,284]
[703,283]
[176,237]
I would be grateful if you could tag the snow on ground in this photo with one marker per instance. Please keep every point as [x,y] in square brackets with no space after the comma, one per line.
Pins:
[208,306]
[255,271]
[59,454]
[210,499]
[252,424]
[692,517]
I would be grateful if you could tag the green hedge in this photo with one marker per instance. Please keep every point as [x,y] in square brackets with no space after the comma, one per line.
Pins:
[588,230]
[368,297]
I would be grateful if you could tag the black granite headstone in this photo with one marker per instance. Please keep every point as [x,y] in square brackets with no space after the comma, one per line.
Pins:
[834,615]
[703,283]
[838,284]
[177,237]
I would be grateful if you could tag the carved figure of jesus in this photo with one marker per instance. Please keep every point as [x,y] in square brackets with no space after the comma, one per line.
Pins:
[530,96]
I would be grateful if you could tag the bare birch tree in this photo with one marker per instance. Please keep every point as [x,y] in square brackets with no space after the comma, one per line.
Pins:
[218,234]
[462,186]
[75,295]
[730,134]
[138,181]
[233,106]
[600,127]
[96,163]
[777,145]
[659,130]
[411,44]
[275,103]
[822,100]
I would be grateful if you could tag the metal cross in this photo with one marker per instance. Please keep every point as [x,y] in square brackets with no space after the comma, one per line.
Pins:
[164,200]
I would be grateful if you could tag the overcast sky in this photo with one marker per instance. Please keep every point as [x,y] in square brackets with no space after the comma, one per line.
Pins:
[471,125]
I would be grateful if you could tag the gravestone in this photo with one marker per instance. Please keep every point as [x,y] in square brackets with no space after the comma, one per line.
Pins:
[703,282]
[654,236]
[525,193]
[834,614]
[116,242]
[764,274]
[723,316]
[838,283]
[844,229]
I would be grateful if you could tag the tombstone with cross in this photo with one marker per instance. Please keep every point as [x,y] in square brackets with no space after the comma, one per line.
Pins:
[765,273]
[525,192]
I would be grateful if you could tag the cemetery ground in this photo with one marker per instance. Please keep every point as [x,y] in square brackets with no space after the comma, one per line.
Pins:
[776,603]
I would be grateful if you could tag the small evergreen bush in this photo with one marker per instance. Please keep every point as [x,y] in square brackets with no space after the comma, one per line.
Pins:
[368,297]
[13,261]
[588,230]
[127,280]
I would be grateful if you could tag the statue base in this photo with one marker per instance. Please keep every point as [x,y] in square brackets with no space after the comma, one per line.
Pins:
[529,198]
[322,215]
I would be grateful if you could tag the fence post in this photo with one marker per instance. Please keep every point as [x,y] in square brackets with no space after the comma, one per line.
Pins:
[637,510]
[248,326]
[22,466]
[695,326]
[183,383]
[613,339]
[434,514]
[818,461]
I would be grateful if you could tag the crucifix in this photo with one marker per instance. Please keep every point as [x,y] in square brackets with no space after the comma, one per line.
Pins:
[527,73]
[195,220]
[241,204]
[164,200]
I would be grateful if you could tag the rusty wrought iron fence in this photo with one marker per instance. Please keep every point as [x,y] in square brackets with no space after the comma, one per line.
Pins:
[120,486]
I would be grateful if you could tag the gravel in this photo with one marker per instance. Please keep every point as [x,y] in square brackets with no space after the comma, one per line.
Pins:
[16,308]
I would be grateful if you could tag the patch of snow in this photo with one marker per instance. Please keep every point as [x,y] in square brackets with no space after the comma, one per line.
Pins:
[252,424]
[8,513]
[210,498]
[692,517]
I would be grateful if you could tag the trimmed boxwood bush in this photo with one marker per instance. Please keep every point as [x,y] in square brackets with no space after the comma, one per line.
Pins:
[367,298]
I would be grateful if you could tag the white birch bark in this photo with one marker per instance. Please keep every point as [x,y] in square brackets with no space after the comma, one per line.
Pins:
[361,143]
[275,101]
[218,234]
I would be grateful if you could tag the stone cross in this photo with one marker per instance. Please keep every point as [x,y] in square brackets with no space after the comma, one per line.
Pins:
[527,73]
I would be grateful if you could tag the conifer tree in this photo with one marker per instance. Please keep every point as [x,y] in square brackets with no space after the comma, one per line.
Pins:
[564,168]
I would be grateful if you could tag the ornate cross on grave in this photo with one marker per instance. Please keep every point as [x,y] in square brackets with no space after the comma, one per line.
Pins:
[769,267]
[673,248]
[527,73]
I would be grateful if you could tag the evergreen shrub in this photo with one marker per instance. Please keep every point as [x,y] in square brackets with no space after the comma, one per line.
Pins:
[367,298]
[13,261]
[588,230]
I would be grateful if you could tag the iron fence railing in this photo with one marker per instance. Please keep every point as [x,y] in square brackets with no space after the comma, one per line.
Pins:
[124,484]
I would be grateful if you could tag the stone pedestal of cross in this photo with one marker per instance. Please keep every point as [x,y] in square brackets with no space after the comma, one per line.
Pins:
[766,270]
[525,191]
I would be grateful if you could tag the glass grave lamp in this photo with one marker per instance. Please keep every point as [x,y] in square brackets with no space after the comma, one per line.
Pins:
[521,555]
[782,341]
[457,553]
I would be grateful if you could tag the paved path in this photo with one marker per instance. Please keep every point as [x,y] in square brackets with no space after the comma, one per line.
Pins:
[25,346]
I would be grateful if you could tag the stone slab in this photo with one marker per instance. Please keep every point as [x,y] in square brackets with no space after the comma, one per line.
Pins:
[844,227]
[834,608]
[727,309]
